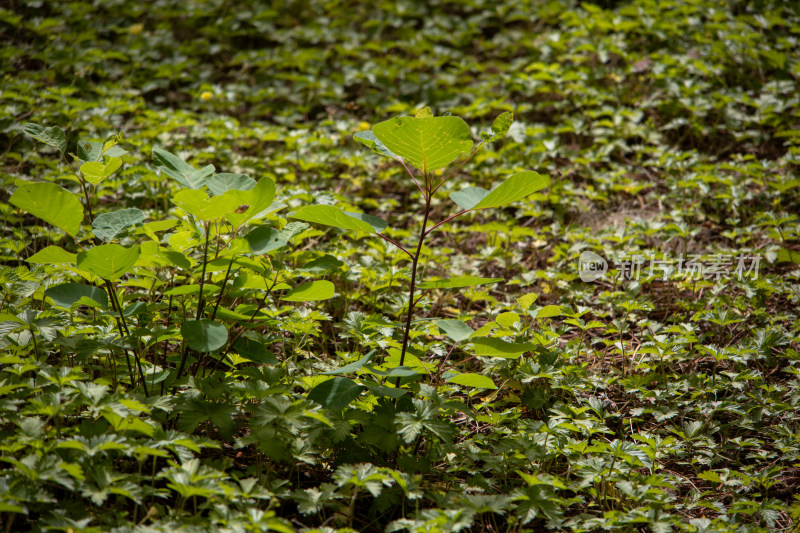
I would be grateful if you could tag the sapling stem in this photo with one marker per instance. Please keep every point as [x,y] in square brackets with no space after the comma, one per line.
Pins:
[83,188]
[411,302]
[203,275]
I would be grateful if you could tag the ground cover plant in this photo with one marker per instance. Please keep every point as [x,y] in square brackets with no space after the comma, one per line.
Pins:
[412,266]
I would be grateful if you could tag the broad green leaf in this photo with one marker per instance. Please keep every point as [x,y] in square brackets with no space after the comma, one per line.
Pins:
[492,347]
[378,225]
[89,150]
[788,256]
[396,372]
[108,261]
[53,255]
[514,188]
[426,143]
[204,335]
[332,216]
[199,205]
[95,172]
[469,197]
[52,136]
[352,367]
[258,202]
[255,351]
[368,139]
[455,329]
[335,393]
[69,294]
[185,174]
[326,263]
[311,291]
[507,319]
[545,312]
[185,290]
[224,182]
[265,239]
[501,125]
[526,300]
[457,283]
[473,380]
[109,225]
[52,204]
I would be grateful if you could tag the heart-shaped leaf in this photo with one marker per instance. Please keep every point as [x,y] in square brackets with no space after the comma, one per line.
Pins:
[176,168]
[335,393]
[257,200]
[69,294]
[52,136]
[224,182]
[198,204]
[428,143]
[204,335]
[108,261]
[109,225]
[51,203]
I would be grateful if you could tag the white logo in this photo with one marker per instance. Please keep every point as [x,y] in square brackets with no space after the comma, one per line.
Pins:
[591,266]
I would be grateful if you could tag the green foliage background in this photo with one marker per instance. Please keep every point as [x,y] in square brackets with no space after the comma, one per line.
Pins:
[666,128]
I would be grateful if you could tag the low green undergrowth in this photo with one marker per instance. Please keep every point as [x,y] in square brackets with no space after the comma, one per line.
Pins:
[251,283]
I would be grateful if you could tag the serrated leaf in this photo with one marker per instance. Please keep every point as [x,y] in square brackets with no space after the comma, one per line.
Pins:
[108,261]
[501,125]
[545,312]
[427,143]
[204,335]
[457,283]
[473,380]
[311,291]
[53,136]
[176,168]
[335,393]
[109,225]
[52,204]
